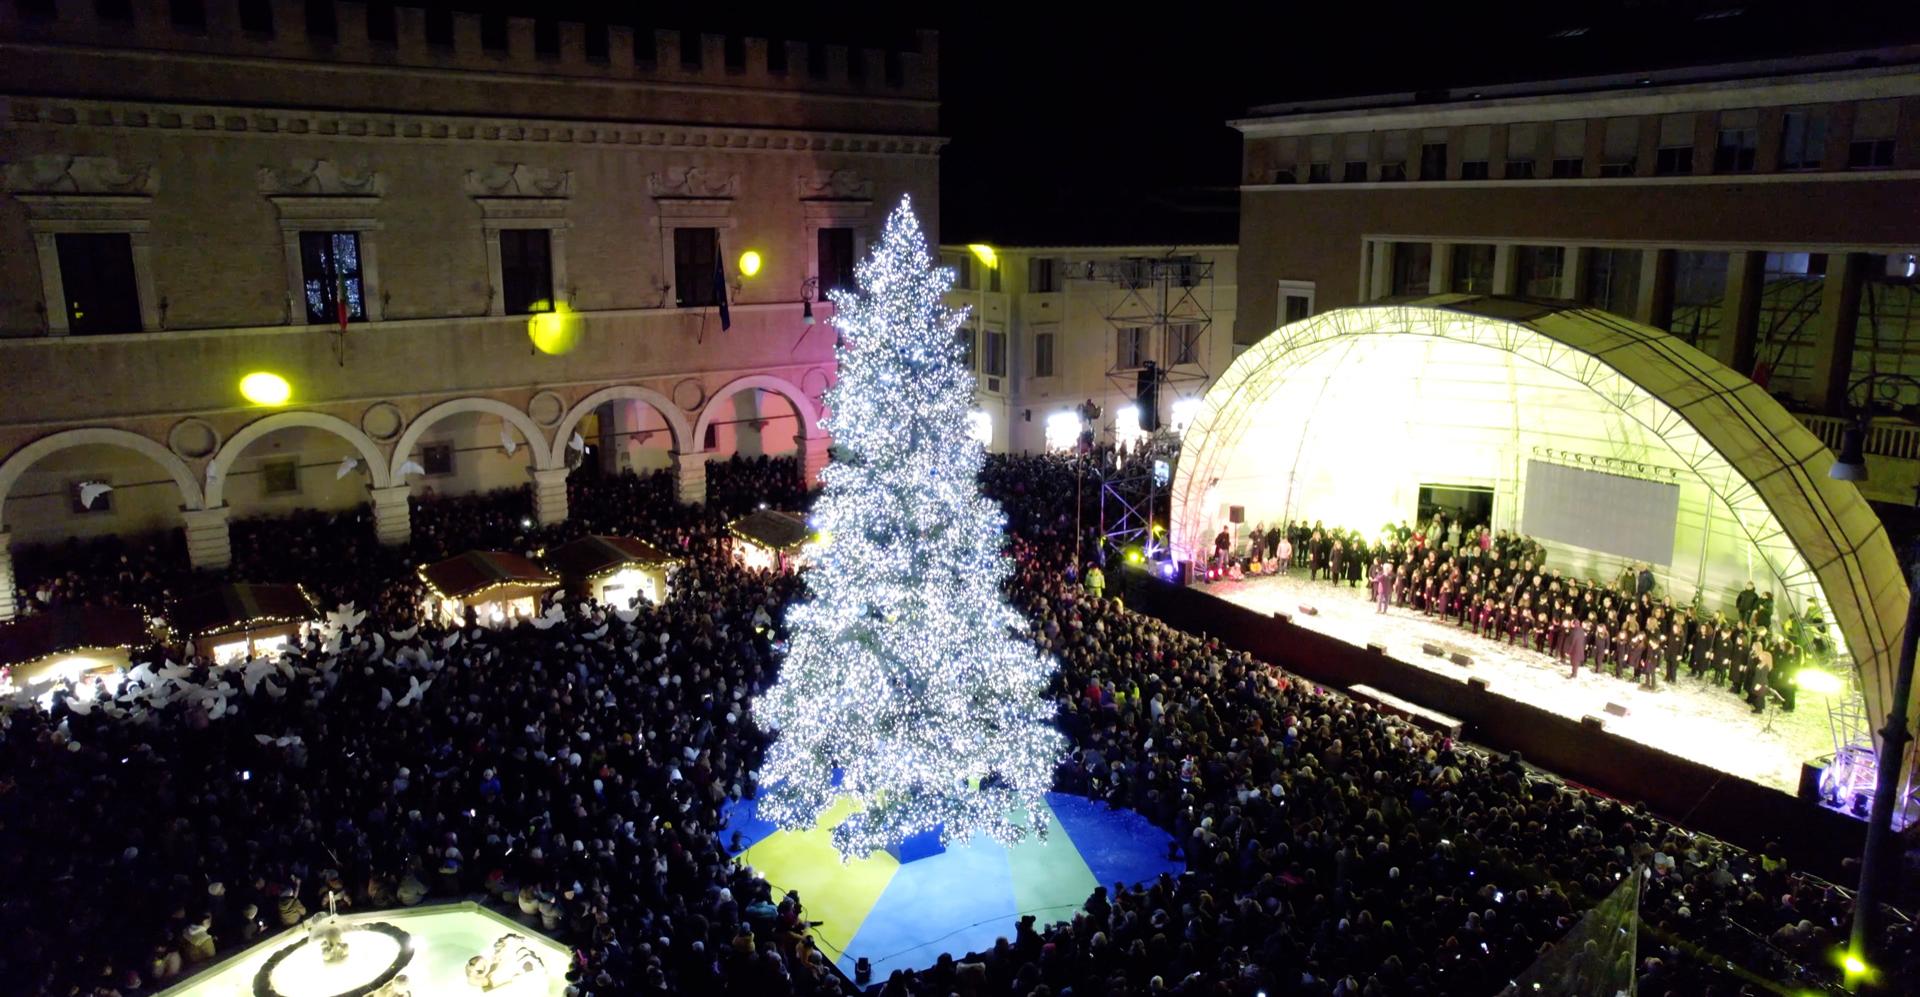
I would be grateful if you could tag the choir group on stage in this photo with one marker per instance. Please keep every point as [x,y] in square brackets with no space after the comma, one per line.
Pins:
[1498,586]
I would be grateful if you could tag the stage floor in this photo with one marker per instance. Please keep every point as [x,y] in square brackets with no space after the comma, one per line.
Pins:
[959,901]
[1691,719]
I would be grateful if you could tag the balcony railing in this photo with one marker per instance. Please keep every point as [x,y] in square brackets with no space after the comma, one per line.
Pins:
[1885,438]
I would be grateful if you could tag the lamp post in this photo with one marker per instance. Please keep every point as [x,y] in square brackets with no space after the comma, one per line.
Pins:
[1851,465]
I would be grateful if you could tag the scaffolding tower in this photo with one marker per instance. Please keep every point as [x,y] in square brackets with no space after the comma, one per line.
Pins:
[1163,314]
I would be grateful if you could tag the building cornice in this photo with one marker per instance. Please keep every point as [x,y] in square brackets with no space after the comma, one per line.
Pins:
[1710,180]
[463,75]
[213,120]
[1817,88]
[1163,247]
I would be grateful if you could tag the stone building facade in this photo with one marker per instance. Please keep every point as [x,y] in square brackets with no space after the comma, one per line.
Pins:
[191,192]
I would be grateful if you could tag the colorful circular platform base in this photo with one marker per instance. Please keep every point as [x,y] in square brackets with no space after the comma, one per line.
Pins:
[959,901]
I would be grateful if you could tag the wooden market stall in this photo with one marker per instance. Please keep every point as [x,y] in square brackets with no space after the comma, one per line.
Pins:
[496,585]
[612,570]
[242,620]
[69,643]
[769,539]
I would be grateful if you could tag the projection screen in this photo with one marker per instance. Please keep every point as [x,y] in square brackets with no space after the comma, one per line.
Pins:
[1611,513]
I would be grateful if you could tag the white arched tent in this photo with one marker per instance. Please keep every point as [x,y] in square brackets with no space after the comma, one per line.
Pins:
[1343,416]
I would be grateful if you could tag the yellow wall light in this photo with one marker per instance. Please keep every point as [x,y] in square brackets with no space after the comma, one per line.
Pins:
[264,388]
[554,329]
[750,263]
[985,254]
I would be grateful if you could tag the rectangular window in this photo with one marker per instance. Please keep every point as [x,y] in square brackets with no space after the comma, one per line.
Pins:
[113,10]
[1412,267]
[1294,307]
[96,269]
[1354,172]
[1393,157]
[436,459]
[1871,145]
[321,21]
[1537,270]
[1472,269]
[1699,295]
[1620,150]
[1523,147]
[330,274]
[965,336]
[1433,161]
[1353,158]
[646,47]
[1519,169]
[1803,138]
[1475,148]
[1569,148]
[733,52]
[1320,159]
[1613,280]
[962,271]
[1183,342]
[280,477]
[1673,160]
[546,37]
[493,33]
[993,278]
[526,270]
[817,60]
[777,56]
[1675,153]
[383,26]
[1130,348]
[835,249]
[596,41]
[695,255]
[1739,140]
[256,17]
[993,348]
[1043,355]
[188,15]
[439,27]
[1043,273]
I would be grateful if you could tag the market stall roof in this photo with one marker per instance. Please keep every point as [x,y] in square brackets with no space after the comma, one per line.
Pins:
[781,531]
[30,638]
[242,606]
[497,573]
[592,556]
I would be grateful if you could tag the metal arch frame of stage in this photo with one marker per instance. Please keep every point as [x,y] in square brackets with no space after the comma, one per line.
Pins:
[1869,621]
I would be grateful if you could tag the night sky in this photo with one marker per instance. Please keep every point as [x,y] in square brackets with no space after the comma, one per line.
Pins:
[1109,127]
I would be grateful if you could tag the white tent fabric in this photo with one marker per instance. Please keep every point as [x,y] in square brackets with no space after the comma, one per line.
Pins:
[1343,416]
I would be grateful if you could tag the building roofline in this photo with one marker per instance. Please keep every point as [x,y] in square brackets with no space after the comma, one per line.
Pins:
[1155,248]
[1893,71]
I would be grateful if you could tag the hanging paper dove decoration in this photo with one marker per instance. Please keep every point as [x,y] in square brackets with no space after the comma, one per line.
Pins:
[415,689]
[507,441]
[406,634]
[347,466]
[90,492]
[578,444]
[411,467]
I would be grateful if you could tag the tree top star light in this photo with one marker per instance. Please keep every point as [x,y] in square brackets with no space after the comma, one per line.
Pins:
[907,675]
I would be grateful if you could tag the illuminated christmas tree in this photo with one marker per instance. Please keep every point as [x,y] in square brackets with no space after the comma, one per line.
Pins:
[907,673]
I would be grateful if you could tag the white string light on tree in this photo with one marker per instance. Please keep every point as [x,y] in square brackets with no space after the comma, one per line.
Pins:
[906,671]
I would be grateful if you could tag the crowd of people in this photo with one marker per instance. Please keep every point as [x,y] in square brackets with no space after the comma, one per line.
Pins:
[1499,587]
[576,776]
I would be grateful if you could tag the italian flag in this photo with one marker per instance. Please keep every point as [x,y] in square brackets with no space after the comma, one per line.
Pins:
[340,299]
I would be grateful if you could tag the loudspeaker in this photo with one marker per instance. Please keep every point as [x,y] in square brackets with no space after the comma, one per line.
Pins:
[1594,722]
[1376,647]
[1146,392]
[1461,660]
[1433,649]
[1617,709]
[1810,777]
[1236,514]
[1309,610]
[1477,683]
[1282,617]
[1183,573]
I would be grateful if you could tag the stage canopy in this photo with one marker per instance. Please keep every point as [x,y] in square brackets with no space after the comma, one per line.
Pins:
[1346,416]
